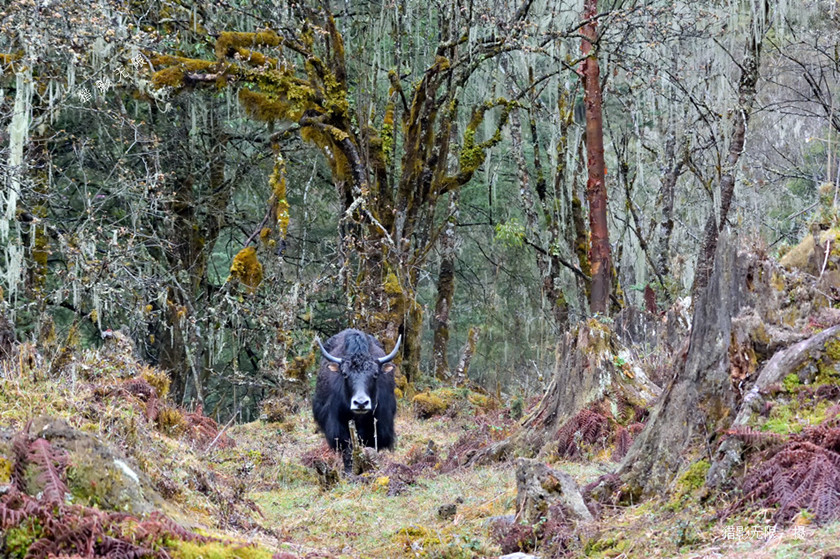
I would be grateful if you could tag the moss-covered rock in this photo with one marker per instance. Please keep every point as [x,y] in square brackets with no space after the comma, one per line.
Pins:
[428,404]
[97,475]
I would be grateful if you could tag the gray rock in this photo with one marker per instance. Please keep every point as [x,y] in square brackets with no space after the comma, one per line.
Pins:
[539,487]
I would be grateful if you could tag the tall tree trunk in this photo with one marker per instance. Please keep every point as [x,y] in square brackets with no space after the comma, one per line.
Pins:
[746,98]
[700,399]
[596,189]
[675,163]
[445,290]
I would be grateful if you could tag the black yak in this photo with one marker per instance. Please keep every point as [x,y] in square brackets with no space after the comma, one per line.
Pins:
[355,382]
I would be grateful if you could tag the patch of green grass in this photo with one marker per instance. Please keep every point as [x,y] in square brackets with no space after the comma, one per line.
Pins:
[372,524]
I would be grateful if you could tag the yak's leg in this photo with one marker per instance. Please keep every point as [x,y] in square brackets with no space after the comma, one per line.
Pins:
[345,444]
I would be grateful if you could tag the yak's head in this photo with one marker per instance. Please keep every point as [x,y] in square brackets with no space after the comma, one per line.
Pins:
[360,370]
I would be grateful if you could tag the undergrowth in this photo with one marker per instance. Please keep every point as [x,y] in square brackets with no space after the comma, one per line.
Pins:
[47,525]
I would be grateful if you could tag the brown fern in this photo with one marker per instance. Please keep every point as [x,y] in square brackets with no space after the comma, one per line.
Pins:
[802,474]
[76,530]
[588,427]
[50,463]
[203,430]
[623,440]
[756,439]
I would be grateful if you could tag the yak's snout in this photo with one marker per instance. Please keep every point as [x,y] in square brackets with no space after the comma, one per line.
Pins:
[360,403]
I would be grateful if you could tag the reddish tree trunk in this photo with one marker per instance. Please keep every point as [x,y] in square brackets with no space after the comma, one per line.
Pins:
[596,189]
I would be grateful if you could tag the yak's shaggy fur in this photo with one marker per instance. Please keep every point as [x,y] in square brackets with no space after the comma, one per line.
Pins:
[334,390]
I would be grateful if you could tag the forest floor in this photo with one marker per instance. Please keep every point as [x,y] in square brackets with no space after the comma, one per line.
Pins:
[251,482]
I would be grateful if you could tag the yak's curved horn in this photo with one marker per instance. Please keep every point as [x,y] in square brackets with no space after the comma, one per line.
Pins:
[326,353]
[390,356]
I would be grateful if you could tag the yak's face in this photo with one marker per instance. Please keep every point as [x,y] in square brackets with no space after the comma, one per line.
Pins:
[360,371]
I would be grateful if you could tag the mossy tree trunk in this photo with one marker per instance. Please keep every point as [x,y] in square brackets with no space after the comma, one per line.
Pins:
[199,204]
[445,291]
[388,210]
[675,162]
[701,399]
[585,374]
[551,207]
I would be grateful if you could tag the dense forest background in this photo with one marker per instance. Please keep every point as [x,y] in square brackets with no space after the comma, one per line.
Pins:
[220,182]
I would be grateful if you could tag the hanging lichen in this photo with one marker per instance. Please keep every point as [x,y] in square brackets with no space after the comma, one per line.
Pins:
[247,269]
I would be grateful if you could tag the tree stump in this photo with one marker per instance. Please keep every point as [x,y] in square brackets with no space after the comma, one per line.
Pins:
[592,367]
[363,459]
[700,399]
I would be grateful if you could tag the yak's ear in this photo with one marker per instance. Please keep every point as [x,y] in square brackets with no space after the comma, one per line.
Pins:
[332,367]
[388,368]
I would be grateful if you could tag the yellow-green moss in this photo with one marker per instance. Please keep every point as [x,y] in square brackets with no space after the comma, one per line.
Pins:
[827,372]
[450,400]
[791,382]
[19,538]
[159,380]
[427,404]
[832,349]
[230,41]
[91,484]
[688,483]
[694,477]
[9,58]
[471,155]
[255,58]
[297,369]
[482,401]
[277,182]
[607,547]
[188,64]
[392,284]
[794,416]
[5,470]
[381,483]
[178,549]
[435,543]
[781,420]
[170,421]
[174,68]
[417,537]
[247,269]
[260,106]
[387,133]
